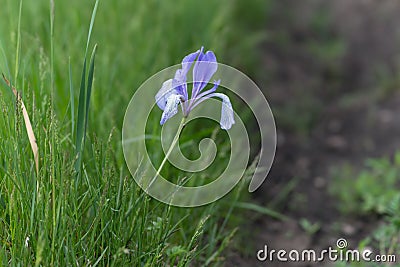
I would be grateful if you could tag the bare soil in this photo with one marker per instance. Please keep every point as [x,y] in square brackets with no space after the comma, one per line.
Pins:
[341,58]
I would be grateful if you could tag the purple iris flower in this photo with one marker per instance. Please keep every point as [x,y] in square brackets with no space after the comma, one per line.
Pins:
[174,91]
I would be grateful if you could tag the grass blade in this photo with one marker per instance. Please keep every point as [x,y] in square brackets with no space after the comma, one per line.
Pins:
[71,99]
[28,125]
[84,98]
[261,210]
[81,117]
[52,13]
[91,25]
[18,41]
[90,84]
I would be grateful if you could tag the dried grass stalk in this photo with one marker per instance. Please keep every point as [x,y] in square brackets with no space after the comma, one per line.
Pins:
[28,125]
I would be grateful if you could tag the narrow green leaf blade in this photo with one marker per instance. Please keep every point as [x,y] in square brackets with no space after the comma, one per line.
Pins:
[80,126]
[90,85]
[71,99]
[91,25]
[262,210]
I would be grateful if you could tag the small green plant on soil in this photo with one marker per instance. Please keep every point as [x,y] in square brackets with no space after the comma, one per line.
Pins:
[309,227]
[369,191]
[374,190]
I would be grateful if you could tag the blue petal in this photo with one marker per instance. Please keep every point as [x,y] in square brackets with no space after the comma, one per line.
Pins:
[204,68]
[188,61]
[227,118]
[171,108]
[212,90]
[203,96]
[163,94]
[179,81]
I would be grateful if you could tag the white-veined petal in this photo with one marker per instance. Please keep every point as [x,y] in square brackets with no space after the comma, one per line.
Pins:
[163,94]
[227,118]
[171,107]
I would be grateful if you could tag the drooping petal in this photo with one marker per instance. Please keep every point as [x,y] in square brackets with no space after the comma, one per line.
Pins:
[204,68]
[163,94]
[171,108]
[227,118]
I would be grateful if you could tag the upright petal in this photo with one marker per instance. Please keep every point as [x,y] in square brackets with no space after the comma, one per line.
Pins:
[204,68]
[179,81]
[163,94]
[187,62]
[171,108]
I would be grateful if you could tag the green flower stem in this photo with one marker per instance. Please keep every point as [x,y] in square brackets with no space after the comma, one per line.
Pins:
[174,141]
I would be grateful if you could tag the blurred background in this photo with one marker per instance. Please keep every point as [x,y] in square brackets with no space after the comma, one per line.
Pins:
[331,74]
[329,69]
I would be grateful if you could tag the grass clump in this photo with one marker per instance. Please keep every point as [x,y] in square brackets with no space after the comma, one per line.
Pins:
[82,206]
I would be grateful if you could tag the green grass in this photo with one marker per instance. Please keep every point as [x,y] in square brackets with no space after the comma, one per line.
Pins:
[84,207]
[373,191]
